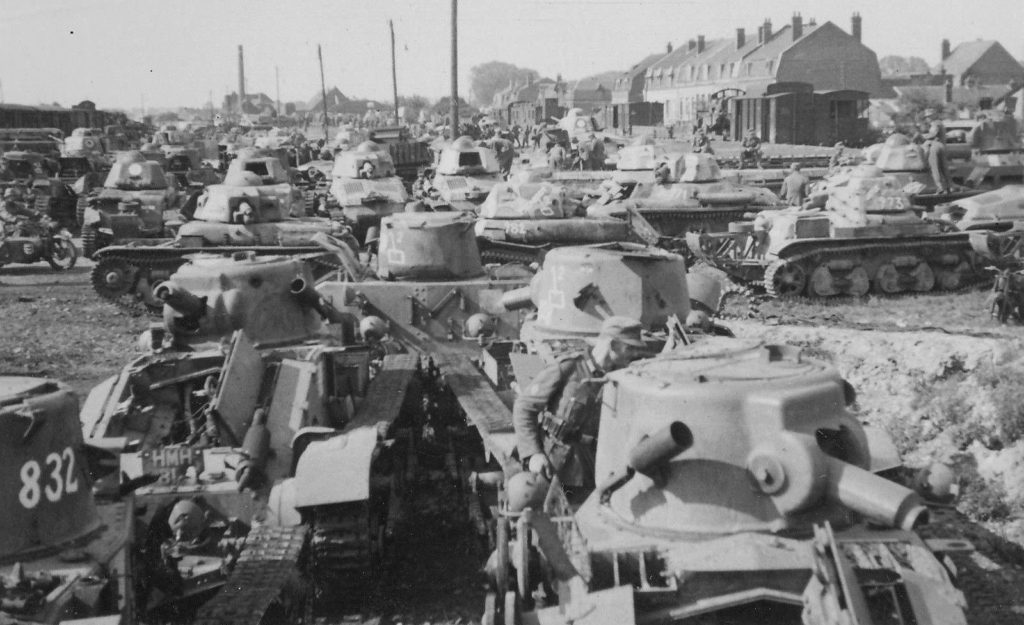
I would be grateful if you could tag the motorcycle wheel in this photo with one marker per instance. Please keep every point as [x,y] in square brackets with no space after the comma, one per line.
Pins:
[63,254]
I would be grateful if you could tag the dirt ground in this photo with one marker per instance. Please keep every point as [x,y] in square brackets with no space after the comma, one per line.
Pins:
[935,371]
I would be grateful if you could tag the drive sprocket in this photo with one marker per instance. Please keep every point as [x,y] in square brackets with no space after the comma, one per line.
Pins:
[113,278]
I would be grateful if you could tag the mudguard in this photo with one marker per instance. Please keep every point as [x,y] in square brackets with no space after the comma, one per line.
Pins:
[336,470]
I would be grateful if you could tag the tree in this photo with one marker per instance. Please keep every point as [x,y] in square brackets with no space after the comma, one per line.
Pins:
[487,79]
[915,105]
[413,104]
[894,65]
[443,107]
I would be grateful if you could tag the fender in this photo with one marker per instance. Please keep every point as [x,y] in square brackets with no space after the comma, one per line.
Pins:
[336,470]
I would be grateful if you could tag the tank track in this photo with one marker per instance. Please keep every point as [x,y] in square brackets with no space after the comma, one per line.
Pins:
[266,585]
[345,552]
[503,256]
[676,223]
[831,252]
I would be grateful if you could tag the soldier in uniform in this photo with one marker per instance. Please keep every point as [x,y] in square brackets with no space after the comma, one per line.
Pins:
[794,186]
[556,416]
[935,148]
[751,149]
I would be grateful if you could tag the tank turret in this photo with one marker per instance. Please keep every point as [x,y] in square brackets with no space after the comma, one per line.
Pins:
[900,154]
[365,187]
[428,246]
[212,296]
[465,172]
[578,287]
[131,170]
[40,435]
[368,160]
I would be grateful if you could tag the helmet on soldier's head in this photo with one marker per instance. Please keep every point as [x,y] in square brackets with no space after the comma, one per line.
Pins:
[373,328]
[526,490]
[187,520]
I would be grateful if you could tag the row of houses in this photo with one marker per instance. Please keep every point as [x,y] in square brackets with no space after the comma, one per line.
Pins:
[765,80]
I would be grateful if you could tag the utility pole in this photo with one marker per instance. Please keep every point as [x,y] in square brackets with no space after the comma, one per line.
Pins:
[394,75]
[212,116]
[323,89]
[454,128]
[277,82]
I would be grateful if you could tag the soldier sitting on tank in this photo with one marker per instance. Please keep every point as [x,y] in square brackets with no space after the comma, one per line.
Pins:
[556,155]
[556,416]
[662,173]
[701,143]
[836,160]
[244,214]
[366,170]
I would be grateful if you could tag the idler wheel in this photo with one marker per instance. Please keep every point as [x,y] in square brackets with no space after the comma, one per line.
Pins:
[951,279]
[887,279]
[113,278]
[924,278]
[785,279]
[858,283]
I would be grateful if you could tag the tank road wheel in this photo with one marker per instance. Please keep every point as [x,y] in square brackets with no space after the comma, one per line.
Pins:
[952,278]
[113,278]
[63,254]
[924,278]
[858,282]
[822,283]
[785,279]
[887,279]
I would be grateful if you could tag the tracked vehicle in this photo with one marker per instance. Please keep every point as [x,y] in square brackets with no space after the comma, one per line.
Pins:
[63,553]
[137,201]
[267,461]
[520,221]
[997,155]
[689,195]
[464,175]
[365,187]
[866,237]
[754,504]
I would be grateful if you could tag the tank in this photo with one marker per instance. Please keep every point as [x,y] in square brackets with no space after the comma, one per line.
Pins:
[996,210]
[136,201]
[907,164]
[866,237]
[265,455]
[242,214]
[754,504]
[997,155]
[690,194]
[521,221]
[63,552]
[464,175]
[364,187]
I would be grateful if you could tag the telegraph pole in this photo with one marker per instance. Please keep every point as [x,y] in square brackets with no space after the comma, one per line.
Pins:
[394,75]
[277,83]
[323,89]
[454,129]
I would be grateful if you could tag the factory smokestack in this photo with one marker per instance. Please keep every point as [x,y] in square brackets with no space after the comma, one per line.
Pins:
[241,79]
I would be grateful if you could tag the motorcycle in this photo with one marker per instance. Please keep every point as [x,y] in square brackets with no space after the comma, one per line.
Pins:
[30,240]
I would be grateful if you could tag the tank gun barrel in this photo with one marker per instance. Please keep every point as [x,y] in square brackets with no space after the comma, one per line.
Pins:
[181,300]
[517,299]
[306,295]
[874,497]
[649,456]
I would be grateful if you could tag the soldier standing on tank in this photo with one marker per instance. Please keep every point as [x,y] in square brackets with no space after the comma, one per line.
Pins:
[505,152]
[556,155]
[597,154]
[935,148]
[835,161]
[794,186]
[751,148]
[556,417]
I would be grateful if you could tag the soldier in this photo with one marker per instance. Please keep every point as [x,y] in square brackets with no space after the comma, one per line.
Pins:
[701,143]
[14,210]
[662,173]
[597,154]
[936,151]
[794,186]
[836,159]
[556,155]
[751,149]
[505,152]
[557,414]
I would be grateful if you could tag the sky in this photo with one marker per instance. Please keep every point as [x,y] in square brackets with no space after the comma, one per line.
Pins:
[159,53]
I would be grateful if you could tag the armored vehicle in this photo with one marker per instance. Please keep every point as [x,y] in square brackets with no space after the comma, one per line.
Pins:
[519,221]
[26,166]
[866,237]
[997,155]
[274,176]
[267,459]
[688,193]
[756,503]
[63,554]
[409,155]
[86,143]
[365,187]
[30,241]
[136,202]
[907,164]
[996,210]
[464,175]
[56,199]
[241,214]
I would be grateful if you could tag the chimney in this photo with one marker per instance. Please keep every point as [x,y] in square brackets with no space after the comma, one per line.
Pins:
[741,38]
[948,92]
[945,49]
[813,22]
[767,30]
[668,47]
[798,26]
[700,44]
[760,34]
[241,79]
[691,44]
[855,26]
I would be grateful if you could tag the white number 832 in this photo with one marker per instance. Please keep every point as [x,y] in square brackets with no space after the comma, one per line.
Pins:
[61,480]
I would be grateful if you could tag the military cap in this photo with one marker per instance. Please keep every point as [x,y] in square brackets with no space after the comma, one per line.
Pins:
[623,330]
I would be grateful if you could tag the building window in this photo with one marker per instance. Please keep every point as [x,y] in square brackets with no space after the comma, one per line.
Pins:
[692,73]
[721,70]
[771,66]
[750,69]
[732,70]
